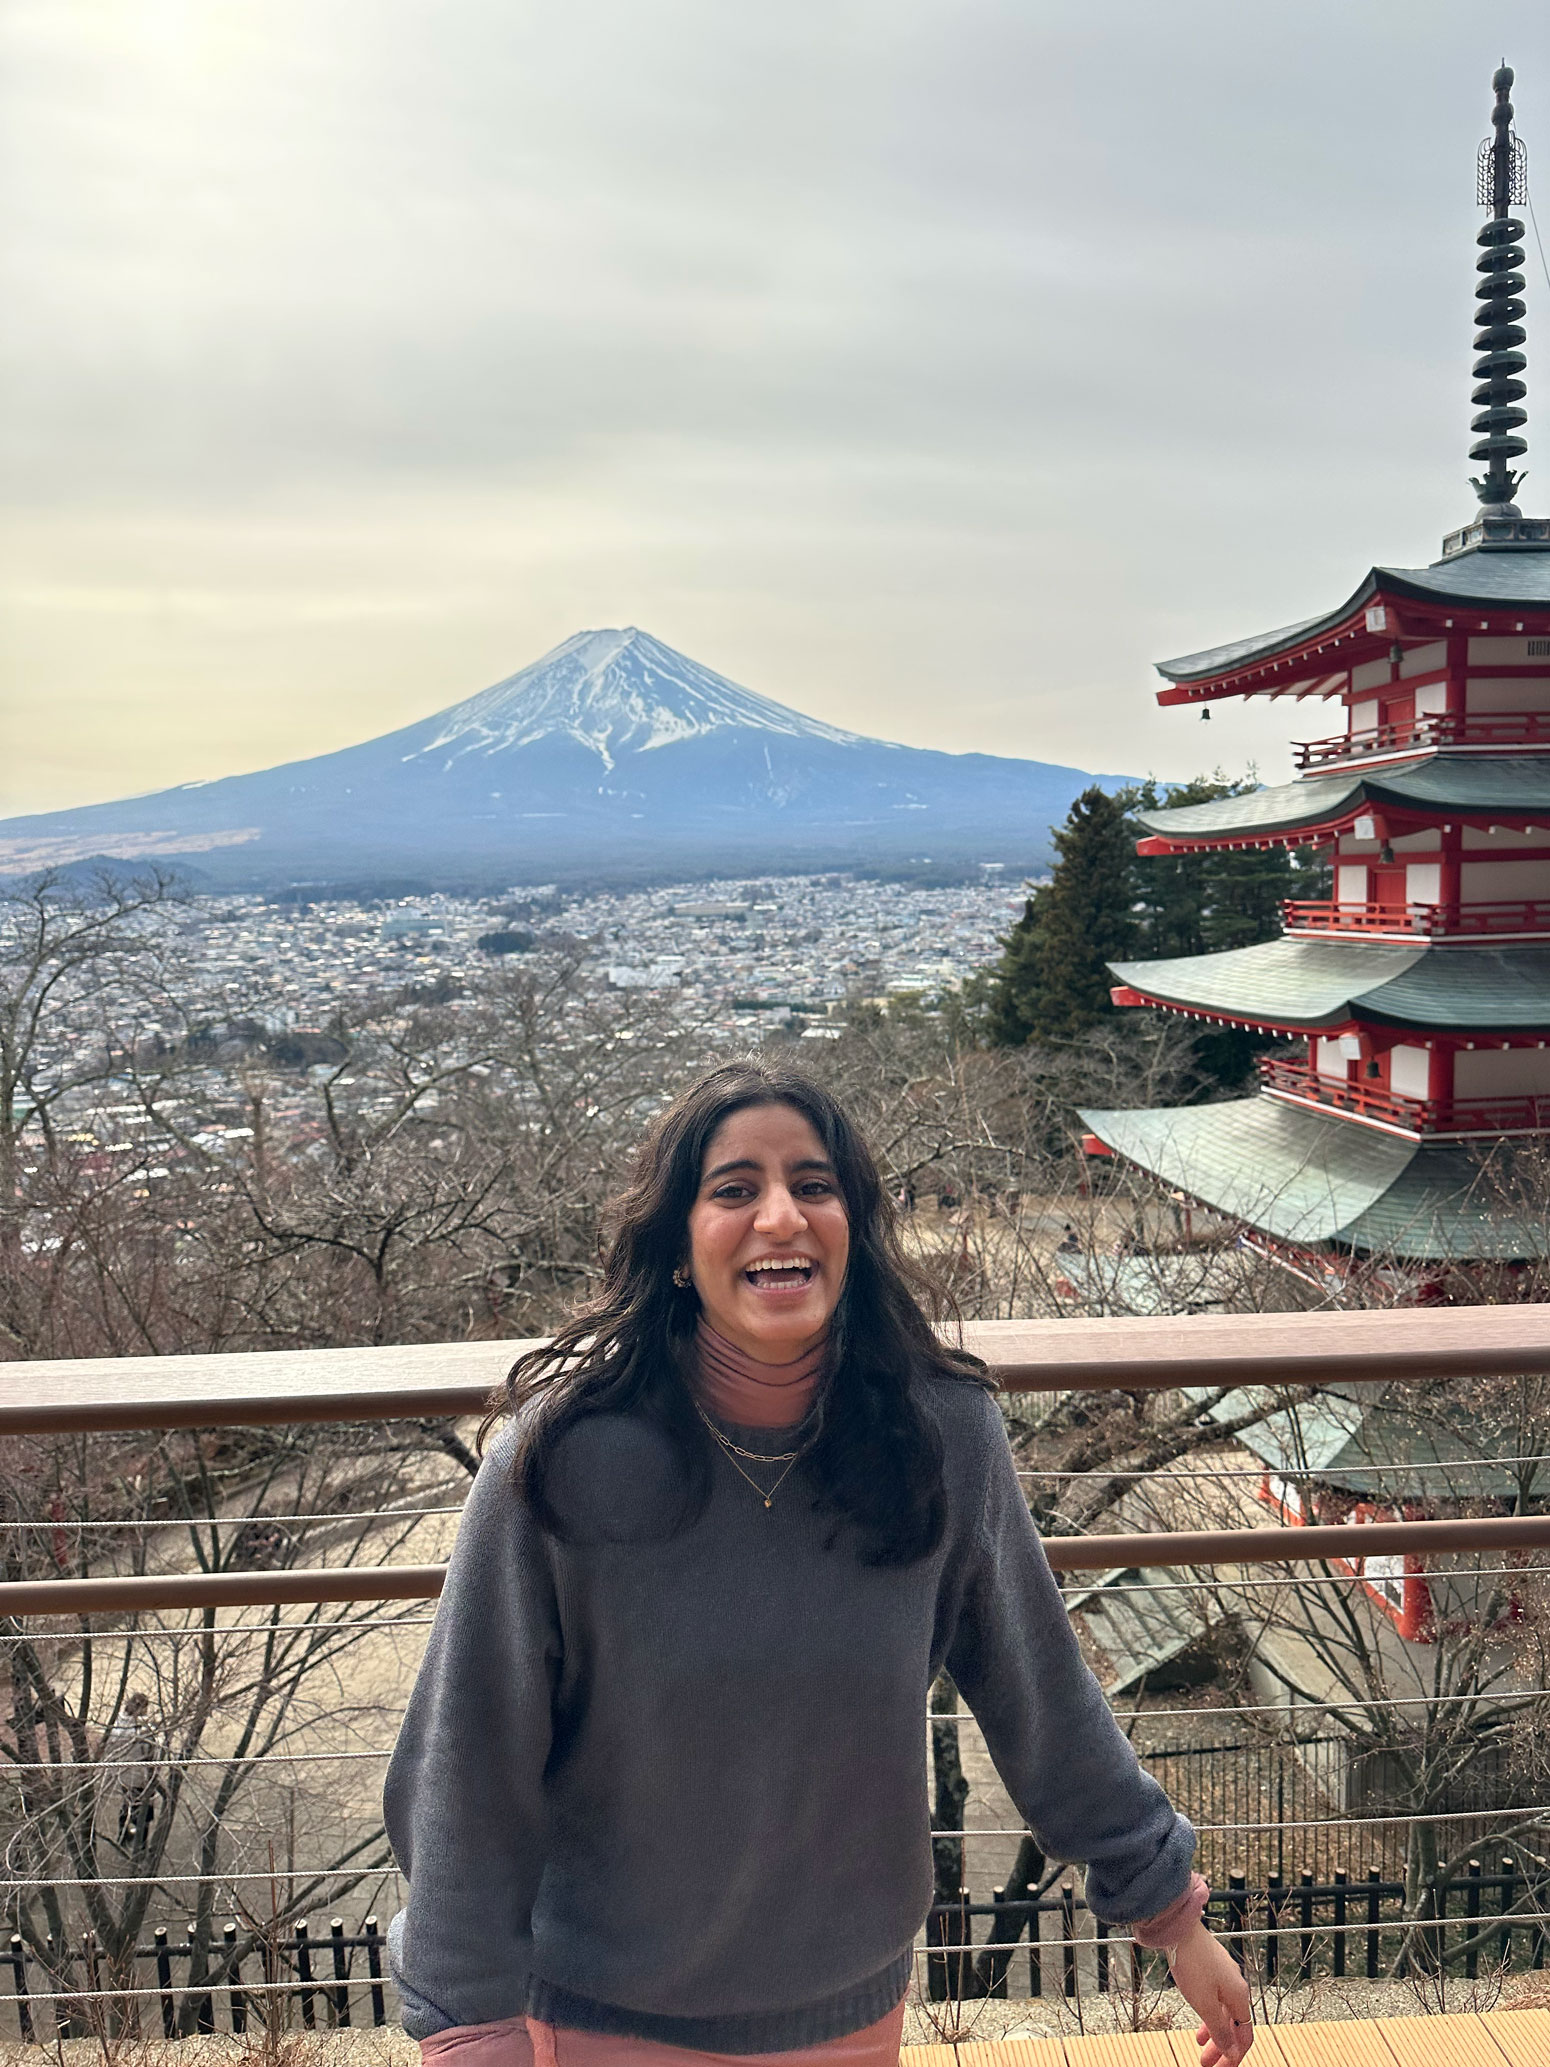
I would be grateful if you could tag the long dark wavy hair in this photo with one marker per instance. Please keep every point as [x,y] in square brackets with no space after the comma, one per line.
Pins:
[876,1460]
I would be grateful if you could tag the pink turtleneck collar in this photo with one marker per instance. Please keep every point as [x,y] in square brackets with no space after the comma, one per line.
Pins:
[735,1387]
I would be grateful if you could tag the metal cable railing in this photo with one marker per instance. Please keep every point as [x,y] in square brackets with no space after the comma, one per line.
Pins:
[1247,1799]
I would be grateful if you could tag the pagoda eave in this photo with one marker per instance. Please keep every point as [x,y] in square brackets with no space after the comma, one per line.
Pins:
[1128,997]
[1296,986]
[1390,605]
[1314,1180]
[1508,790]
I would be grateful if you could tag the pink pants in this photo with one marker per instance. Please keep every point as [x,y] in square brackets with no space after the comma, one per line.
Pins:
[525,2042]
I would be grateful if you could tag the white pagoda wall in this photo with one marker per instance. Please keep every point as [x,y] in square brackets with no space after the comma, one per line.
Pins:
[1502,882]
[1410,1071]
[1500,1072]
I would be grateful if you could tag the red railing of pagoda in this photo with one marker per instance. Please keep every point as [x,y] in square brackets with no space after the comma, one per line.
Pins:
[1370,1101]
[1426,921]
[1501,729]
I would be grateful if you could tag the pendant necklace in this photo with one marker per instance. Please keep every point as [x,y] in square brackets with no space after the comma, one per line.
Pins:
[789,1458]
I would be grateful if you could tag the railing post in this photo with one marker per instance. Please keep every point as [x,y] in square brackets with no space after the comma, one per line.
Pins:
[169,2018]
[58,1978]
[1035,1952]
[1305,1918]
[1509,1898]
[1440,1928]
[19,1975]
[1238,1917]
[1472,1927]
[374,1969]
[236,1999]
[998,1962]
[204,2008]
[341,1975]
[947,1924]
[1068,1937]
[90,1997]
[1374,1917]
[963,1963]
[1274,1896]
[304,1975]
[936,1965]
[1338,1967]
[1101,1940]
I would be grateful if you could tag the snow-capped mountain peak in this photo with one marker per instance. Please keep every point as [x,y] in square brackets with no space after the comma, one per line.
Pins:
[615,692]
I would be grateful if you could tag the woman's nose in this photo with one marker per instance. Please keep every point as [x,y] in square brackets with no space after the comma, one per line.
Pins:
[779,1215]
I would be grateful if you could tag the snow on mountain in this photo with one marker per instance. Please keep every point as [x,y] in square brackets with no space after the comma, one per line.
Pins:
[610,756]
[617,693]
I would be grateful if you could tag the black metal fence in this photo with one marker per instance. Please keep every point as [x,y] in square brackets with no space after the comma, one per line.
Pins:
[77,1991]
[1254,1803]
[1261,1782]
[1286,1932]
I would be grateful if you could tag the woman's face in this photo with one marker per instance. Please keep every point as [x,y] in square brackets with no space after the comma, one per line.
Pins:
[768,1233]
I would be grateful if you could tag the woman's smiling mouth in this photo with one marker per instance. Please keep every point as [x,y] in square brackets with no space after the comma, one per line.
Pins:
[781,1273]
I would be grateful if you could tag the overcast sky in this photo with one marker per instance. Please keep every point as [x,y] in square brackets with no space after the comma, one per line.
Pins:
[930,365]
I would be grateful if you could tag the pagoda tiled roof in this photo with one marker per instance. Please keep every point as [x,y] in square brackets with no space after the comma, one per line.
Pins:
[1309,1178]
[1309,985]
[1511,785]
[1354,1434]
[1489,579]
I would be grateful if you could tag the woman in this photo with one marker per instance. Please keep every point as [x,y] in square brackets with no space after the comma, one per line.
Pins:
[661,1789]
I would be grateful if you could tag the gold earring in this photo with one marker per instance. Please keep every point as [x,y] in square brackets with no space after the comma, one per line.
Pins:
[682,1279]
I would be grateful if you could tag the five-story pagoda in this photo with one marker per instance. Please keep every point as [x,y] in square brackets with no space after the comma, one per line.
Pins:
[1422,986]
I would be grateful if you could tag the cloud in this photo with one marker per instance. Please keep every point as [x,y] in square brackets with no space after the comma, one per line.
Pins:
[931,365]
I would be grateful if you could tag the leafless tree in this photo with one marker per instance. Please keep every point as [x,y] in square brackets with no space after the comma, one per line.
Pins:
[207,1763]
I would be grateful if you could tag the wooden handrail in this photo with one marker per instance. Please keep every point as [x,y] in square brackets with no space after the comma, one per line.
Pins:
[1349,1541]
[424,1380]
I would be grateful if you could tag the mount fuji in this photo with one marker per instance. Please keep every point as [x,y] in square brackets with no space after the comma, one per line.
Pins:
[612,756]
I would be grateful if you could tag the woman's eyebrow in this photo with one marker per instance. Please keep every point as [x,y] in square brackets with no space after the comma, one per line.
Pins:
[749,1163]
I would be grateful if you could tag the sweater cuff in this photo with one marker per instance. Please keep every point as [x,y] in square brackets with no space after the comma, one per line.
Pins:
[503,2044]
[1162,1933]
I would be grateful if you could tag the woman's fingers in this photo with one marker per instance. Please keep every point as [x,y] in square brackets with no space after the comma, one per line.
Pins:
[1225,2038]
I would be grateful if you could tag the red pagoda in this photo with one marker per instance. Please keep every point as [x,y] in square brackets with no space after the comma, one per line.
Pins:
[1421,987]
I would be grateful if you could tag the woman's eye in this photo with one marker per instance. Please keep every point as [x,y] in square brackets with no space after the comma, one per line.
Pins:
[732,1192]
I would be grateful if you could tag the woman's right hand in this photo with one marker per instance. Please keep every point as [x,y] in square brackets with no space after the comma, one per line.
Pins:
[1208,1978]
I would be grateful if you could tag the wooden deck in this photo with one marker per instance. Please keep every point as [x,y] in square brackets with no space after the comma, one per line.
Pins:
[1493,2038]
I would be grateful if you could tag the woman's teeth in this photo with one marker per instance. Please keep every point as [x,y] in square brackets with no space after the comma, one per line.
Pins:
[779,1273]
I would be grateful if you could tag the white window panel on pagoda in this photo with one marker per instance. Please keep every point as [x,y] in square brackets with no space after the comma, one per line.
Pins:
[1483,693]
[1501,1073]
[1498,882]
[1424,660]
[1410,1072]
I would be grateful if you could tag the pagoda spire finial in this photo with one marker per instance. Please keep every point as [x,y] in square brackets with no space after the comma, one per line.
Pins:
[1499,332]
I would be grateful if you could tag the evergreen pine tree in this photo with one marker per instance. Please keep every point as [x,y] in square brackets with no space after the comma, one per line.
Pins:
[1088,922]
[1052,981]
[1105,904]
[1008,992]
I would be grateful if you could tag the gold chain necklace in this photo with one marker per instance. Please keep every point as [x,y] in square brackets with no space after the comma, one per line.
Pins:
[787,1457]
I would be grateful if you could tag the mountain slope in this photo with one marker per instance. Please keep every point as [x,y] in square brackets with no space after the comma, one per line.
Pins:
[611,753]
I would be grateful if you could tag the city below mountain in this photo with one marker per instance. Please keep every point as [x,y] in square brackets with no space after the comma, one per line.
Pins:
[612,756]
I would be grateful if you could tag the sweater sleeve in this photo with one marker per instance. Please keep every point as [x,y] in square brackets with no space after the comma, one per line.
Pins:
[1053,1739]
[463,1800]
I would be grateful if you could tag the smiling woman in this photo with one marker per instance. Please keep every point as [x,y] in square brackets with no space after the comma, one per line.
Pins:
[746,1506]
[769,1235]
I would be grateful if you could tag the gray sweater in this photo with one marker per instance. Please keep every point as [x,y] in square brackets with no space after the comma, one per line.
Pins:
[676,1787]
